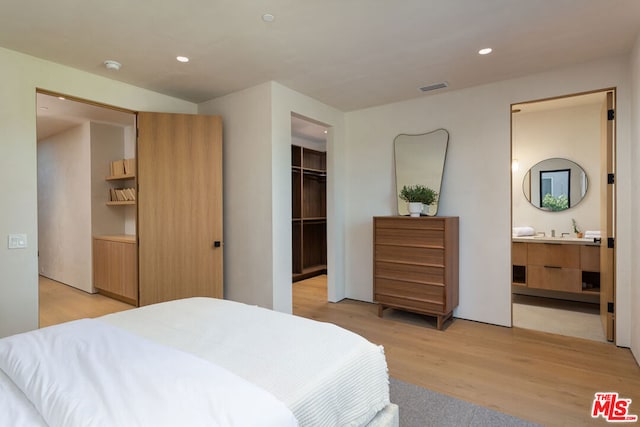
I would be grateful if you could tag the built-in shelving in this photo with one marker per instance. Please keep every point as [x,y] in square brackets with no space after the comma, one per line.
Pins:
[121,171]
[309,211]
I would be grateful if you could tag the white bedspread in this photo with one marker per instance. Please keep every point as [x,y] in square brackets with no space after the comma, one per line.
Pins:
[15,408]
[326,375]
[89,373]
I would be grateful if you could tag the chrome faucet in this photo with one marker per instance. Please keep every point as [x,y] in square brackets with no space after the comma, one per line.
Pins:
[540,233]
[565,234]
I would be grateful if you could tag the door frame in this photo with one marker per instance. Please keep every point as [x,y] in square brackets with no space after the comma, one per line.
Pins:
[605,91]
[89,103]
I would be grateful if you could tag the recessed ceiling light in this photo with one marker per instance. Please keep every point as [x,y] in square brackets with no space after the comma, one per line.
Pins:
[61,98]
[44,108]
[182,58]
[267,17]
[326,131]
[485,51]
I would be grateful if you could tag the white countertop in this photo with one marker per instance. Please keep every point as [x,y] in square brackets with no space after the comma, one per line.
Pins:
[567,240]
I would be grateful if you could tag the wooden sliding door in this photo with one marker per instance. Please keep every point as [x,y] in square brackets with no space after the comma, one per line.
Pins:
[179,206]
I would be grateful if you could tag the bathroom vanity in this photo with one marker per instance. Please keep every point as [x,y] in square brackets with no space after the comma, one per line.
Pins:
[562,264]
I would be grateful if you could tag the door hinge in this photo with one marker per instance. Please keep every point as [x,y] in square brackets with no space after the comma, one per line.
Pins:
[611,114]
[611,179]
[610,242]
[609,307]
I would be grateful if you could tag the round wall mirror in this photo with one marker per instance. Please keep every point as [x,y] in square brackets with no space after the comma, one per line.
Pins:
[555,184]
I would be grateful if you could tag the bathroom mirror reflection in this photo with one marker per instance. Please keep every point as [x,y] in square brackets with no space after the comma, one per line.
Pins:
[555,184]
[420,161]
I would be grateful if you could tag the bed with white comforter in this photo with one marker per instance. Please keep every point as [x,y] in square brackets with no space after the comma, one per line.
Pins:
[192,362]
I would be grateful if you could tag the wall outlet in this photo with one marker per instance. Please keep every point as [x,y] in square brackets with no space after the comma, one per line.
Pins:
[17,241]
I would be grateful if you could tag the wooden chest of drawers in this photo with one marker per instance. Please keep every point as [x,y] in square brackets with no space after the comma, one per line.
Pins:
[415,264]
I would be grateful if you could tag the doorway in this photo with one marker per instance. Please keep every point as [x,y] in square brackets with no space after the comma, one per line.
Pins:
[560,214]
[76,142]
[309,199]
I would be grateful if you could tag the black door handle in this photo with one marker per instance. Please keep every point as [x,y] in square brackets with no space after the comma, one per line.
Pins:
[217,244]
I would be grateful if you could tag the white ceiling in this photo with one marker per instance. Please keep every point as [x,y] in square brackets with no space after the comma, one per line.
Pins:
[349,54]
[56,115]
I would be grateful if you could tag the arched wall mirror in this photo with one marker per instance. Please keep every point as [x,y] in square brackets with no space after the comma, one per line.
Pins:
[555,184]
[420,161]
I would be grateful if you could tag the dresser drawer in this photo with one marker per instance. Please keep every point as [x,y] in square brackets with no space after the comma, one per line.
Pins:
[557,279]
[417,305]
[553,255]
[590,258]
[398,223]
[410,237]
[519,253]
[409,272]
[393,288]
[412,255]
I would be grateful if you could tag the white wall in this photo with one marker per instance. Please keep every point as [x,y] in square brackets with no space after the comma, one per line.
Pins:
[257,192]
[64,207]
[248,256]
[130,153]
[571,133]
[107,145]
[18,174]
[634,301]
[476,185]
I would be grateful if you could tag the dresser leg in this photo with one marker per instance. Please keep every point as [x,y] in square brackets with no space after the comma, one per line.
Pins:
[442,319]
[380,308]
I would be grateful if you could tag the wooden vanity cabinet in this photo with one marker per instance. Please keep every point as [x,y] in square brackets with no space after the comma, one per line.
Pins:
[564,267]
[554,266]
[415,265]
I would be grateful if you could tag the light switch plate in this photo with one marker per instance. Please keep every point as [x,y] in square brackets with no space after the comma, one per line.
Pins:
[17,241]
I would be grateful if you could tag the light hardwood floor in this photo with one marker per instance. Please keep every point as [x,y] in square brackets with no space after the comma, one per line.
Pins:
[61,303]
[544,378]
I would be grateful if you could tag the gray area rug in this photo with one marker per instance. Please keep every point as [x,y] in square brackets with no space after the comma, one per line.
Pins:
[420,407]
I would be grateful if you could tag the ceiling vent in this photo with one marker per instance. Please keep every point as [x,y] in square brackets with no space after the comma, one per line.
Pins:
[434,86]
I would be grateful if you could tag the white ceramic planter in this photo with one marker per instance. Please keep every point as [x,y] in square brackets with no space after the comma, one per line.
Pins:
[415,208]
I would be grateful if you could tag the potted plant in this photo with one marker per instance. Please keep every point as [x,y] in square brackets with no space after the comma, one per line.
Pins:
[417,196]
[576,229]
